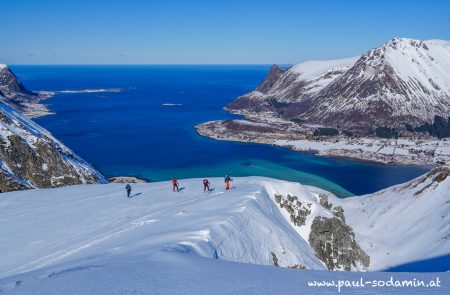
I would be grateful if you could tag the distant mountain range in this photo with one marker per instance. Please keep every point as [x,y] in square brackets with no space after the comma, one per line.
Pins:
[30,157]
[403,82]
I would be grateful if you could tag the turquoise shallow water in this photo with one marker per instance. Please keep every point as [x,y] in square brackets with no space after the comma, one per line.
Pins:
[131,133]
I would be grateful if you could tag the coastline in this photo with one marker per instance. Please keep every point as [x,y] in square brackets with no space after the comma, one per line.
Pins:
[35,108]
[404,151]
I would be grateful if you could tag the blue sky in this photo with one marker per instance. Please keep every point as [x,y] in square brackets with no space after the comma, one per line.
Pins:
[209,32]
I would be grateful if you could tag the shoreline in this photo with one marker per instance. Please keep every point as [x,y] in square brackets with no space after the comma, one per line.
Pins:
[411,152]
[35,108]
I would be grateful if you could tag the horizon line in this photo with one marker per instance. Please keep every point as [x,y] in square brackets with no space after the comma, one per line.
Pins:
[154,64]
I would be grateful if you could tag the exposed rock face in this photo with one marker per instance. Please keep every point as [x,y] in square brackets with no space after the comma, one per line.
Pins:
[298,211]
[405,81]
[127,179]
[16,95]
[334,243]
[324,201]
[272,77]
[32,158]
[254,101]
[332,240]
[10,86]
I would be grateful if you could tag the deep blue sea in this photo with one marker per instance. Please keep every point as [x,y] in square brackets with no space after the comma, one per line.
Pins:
[131,133]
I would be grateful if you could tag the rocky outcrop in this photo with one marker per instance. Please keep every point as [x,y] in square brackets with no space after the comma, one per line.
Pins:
[334,243]
[323,199]
[32,158]
[10,86]
[332,240]
[272,77]
[298,211]
[127,179]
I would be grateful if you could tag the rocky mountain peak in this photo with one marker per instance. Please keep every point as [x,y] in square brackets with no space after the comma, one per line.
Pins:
[403,43]
[274,73]
[10,86]
[14,94]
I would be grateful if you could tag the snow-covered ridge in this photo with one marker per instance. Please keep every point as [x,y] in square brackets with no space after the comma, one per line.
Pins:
[403,222]
[310,70]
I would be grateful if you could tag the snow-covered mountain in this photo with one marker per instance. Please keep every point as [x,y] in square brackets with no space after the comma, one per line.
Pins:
[30,157]
[405,81]
[17,96]
[403,222]
[67,232]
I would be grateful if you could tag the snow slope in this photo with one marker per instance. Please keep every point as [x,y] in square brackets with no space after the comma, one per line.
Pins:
[241,225]
[175,273]
[91,238]
[401,223]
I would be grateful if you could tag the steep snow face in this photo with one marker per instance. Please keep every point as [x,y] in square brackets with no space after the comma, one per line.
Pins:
[426,63]
[320,73]
[402,223]
[32,158]
[305,79]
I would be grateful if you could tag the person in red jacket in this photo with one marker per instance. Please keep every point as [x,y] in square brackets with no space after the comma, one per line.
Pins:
[206,185]
[175,185]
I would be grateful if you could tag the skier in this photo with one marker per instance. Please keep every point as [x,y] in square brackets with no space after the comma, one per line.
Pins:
[128,188]
[175,185]
[228,179]
[206,185]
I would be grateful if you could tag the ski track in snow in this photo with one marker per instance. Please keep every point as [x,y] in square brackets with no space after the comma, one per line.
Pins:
[133,224]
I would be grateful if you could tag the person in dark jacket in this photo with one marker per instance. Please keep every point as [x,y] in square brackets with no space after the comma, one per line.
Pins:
[128,188]
[228,180]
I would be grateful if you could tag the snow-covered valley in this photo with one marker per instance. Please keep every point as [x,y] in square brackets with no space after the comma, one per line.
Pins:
[92,239]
